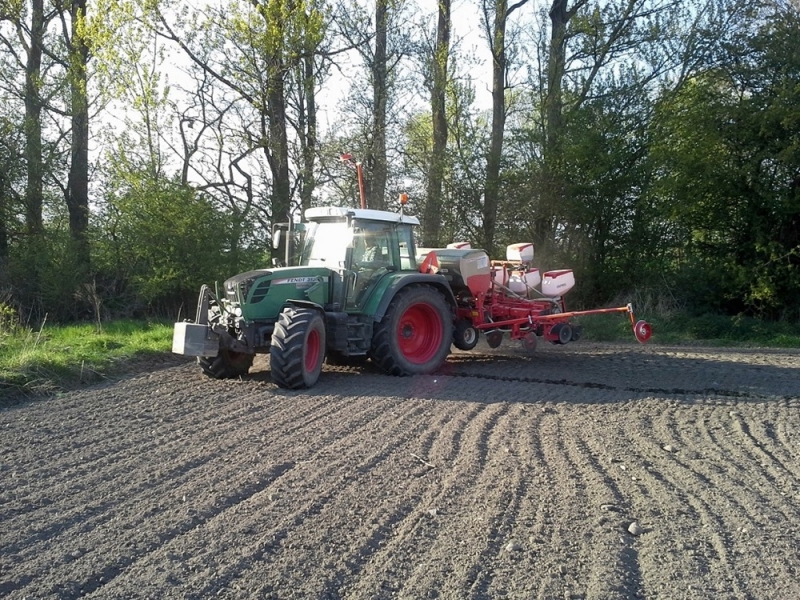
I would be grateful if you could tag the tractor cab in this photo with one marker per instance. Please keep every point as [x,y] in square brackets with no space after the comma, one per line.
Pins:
[359,246]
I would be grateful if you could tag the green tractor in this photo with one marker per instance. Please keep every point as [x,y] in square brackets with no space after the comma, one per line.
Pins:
[354,292]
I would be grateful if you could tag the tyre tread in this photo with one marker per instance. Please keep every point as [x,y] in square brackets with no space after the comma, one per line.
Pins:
[286,352]
[383,352]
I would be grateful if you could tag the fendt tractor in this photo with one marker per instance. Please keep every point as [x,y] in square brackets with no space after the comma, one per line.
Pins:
[357,287]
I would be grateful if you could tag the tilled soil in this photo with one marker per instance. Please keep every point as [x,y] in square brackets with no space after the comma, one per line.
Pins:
[586,471]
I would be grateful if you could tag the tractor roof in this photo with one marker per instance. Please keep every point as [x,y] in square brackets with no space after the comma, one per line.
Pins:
[340,212]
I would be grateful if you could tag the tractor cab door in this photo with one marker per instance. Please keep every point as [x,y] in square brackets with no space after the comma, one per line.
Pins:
[374,253]
[288,240]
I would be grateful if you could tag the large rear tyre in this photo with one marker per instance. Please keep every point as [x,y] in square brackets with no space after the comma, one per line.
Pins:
[226,365]
[415,334]
[298,348]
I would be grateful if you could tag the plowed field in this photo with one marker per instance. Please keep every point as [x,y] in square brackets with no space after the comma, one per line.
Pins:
[586,471]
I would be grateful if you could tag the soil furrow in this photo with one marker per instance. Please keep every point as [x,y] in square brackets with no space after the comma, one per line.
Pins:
[714,548]
[412,535]
[501,476]
[348,455]
[729,463]
[563,500]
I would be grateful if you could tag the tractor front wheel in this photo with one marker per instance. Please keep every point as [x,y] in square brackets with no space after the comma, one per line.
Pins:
[298,348]
[226,364]
[415,334]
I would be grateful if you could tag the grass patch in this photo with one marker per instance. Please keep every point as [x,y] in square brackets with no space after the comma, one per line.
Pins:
[712,330]
[62,356]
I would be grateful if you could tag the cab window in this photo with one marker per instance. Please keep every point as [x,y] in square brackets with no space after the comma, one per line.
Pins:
[405,236]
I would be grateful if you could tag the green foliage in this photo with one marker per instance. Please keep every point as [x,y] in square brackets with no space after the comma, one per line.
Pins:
[52,290]
[729,177]
[273,36]
[9,319]
[161,241]
[58,357]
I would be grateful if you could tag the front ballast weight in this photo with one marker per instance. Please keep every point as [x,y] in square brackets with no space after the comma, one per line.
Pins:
[213,339]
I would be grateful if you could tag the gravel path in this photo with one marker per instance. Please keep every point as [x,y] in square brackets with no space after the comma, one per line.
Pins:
[587,471]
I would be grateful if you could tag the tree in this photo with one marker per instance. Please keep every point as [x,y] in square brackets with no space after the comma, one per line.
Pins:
[587,42]
[11,174]
[264,42]
[77,191]
[33,120]
[498,12]
[379,70]
[729,173]
[381,41]
[438,60]
[160,241]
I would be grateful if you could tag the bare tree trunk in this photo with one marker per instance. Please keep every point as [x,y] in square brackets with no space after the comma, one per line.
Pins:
[33,123]
[376,157]
[278,152]
[491,190]
[4,202]
[552,190]
[308,132]
[433,204]
[497,41]
[556,64]
[77,196]
[278,144]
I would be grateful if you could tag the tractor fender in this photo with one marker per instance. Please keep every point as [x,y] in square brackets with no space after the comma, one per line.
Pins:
[436,281]
[303,304]
[335,323]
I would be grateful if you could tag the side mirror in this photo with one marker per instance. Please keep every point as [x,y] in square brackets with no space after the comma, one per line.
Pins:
[276,238]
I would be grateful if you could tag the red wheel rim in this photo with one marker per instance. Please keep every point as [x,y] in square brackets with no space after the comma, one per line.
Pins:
[419,333]
[312,350]
[642,330]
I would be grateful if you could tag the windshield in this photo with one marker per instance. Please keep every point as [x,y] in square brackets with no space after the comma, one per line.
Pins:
[326,244]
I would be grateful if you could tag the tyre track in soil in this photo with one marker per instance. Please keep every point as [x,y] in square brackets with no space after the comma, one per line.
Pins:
[410,540]
[347,510]
[182,469]
[170,481]
[172,485]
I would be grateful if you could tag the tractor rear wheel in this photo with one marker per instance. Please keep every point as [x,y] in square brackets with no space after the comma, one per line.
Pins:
[226,364]
[415,334]
[298,348]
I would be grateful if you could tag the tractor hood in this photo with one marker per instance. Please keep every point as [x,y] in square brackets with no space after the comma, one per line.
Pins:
[262,293]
